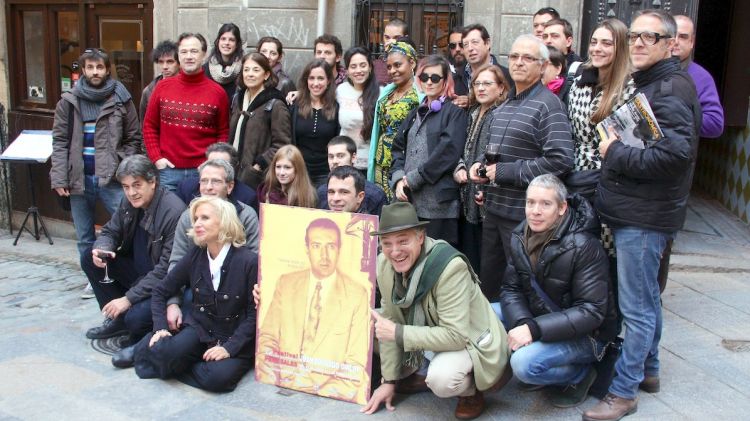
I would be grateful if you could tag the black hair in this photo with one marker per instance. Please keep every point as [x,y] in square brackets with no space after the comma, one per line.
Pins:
[330,40]
[369,94]
[199,37]
[237,53]
[263,62]
[548,11]
[351,147]
[345,171]
[164,48]
[476,27]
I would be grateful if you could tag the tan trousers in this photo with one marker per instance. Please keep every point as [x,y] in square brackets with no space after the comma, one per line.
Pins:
[451,374]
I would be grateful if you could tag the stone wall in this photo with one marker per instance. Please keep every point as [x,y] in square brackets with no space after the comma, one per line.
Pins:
[507,19]
[292,22]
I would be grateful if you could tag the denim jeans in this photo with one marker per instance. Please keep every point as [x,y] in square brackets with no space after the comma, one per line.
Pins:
[83,207]
[639,251]
[555,363]
[170,177]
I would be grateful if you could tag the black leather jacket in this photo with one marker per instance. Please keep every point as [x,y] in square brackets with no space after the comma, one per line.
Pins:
[573,270]
[159,221]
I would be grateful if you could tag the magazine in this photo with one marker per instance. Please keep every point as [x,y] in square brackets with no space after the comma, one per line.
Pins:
[634,123]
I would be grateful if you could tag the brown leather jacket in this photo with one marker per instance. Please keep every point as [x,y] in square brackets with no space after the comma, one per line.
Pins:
[117,135]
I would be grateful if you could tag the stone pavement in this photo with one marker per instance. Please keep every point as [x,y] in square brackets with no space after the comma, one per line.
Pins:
[48,370]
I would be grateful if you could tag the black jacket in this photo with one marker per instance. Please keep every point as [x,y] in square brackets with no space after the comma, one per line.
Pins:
[649,188]
[227,314]
[159,221]
[573,270]
[446,136]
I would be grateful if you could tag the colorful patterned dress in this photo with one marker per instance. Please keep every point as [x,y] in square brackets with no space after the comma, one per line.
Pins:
[389,118]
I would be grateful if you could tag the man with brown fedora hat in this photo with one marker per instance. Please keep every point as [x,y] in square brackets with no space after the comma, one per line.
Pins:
[433,309]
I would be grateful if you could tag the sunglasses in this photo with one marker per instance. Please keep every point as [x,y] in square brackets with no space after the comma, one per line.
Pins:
[453,45]
[435,78]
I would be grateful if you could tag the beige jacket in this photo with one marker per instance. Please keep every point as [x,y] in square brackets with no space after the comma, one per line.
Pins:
[458,317]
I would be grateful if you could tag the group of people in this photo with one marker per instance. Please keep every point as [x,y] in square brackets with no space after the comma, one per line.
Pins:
[514,241]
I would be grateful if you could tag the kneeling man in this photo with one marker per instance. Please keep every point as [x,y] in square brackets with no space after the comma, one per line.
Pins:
[432,308]
[556,297]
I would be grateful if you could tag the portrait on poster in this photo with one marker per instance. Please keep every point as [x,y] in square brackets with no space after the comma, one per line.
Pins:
[317,286]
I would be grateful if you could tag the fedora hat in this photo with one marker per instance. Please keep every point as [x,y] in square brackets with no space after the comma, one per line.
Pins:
[398,216]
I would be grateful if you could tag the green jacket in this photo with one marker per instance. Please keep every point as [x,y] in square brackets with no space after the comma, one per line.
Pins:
[458,315]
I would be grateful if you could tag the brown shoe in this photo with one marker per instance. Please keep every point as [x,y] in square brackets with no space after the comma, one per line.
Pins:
[470,407]
[611,408]
[412,384]
[650,384]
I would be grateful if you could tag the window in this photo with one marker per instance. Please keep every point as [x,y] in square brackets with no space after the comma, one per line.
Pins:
[429,22]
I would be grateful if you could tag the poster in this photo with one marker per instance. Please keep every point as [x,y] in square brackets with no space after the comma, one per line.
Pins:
[317,283]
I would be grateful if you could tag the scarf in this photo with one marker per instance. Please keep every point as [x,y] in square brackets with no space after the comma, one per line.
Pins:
[91,99]
[534,242]
[409,297]
[223,75]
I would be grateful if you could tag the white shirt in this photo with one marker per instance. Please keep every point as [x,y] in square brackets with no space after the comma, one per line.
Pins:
[214,265]
[351,120]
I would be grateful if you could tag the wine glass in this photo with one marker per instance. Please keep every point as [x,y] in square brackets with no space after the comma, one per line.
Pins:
[106,280]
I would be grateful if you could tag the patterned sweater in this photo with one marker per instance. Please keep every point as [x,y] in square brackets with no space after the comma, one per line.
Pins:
[187,113]
[534,136]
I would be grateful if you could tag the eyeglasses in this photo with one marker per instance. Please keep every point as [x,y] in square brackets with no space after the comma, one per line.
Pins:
[648,38]
[434,78]
[454,45]
[526,58]
[484,84]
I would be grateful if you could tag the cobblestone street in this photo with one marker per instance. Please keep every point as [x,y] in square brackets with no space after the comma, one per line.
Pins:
[49,370]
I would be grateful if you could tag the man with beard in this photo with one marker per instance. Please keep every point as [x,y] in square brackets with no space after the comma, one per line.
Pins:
[96,124]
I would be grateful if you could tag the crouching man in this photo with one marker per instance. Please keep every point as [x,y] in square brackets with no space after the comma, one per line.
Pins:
[556,297]
[432,308]
[131,255]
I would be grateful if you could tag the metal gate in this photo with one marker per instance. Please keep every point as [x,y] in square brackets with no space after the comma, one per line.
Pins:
[595,11]
[429,22]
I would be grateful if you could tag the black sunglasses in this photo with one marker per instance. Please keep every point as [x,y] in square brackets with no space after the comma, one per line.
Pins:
[453,45]
[435,78]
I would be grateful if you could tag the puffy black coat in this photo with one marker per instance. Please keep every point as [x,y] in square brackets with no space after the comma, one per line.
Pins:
[573,270]
[649,188]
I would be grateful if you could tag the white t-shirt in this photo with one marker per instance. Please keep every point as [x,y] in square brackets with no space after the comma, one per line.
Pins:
[351,119]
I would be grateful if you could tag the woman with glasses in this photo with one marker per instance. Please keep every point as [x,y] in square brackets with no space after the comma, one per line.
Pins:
[426,150]
[489,89]
[216,344]
[225,62]
[396,100]
[287,182]
[603,86]
[260,123]
[356,97]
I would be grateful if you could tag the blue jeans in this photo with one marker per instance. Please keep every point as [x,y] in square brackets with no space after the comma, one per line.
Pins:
[555,363]
[83,207]
[171,177]
[639,251]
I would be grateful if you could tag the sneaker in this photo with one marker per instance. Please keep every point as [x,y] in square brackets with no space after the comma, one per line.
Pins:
[573,394]
[87,293]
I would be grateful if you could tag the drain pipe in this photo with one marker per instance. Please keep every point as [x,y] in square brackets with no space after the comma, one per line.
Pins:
[322,12]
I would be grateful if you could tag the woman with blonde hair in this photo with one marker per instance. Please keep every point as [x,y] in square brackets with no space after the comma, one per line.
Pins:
[489,88]
[216,344]
[287,181]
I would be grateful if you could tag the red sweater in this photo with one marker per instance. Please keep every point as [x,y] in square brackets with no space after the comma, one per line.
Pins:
[187,113]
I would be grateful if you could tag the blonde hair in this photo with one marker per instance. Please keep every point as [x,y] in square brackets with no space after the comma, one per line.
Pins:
[300,191]
[230,227]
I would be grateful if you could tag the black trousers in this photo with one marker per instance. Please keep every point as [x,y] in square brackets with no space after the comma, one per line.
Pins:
[470,242]
[443,229]
[122,271]
[496,232]
[181,356]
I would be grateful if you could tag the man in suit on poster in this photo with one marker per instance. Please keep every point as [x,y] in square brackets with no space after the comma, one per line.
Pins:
[315,335]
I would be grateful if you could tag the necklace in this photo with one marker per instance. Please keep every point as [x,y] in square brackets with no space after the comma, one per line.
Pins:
[398,96]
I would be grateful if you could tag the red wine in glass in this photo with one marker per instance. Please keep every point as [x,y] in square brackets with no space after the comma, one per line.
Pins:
[492,153]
